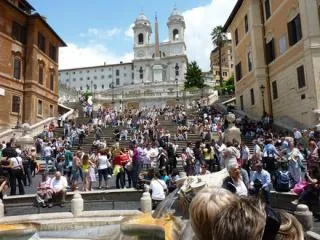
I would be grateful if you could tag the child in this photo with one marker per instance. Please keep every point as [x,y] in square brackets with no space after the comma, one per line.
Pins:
[85,171]
[91,175]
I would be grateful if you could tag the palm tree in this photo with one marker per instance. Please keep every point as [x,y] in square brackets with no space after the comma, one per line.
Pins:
[218,38]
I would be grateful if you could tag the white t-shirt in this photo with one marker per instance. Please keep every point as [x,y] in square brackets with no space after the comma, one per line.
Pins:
[103,162]
[241,188]
[59,184]
[16,162]
[47,151]
[158,186]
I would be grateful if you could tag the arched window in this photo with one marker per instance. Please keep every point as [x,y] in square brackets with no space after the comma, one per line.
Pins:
[140,38]
[175,34]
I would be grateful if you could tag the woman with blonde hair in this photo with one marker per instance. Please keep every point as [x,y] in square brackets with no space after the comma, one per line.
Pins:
[290,228]
[240,220]
[204,208]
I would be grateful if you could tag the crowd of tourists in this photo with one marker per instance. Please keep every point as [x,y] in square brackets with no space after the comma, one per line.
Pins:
[141,152]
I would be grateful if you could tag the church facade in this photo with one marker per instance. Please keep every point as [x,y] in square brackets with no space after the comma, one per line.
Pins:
[157,67]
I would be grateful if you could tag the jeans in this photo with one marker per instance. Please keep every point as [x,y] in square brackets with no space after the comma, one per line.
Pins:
[197,168]
[103,173]
[16,174]
[47,159]
[129,174]
[135,172]
[120,178]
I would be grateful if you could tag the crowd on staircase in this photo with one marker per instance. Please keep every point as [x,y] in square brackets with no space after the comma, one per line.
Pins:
[152,145]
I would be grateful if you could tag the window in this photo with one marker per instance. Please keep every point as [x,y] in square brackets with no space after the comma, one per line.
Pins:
[17,68]
[252,96]
[15,107]
[224,74]
[241,103]
[274,90]
[74,79]
[102,77]
[95,77]
[102,70]
[283,44]
[141,73]
[250,62]
[140,38]
[81,88]
[81,79]
[294,30]
[110,76]
[236,36]
[132,76]
[51,110]
[41,42]
[88,71]
[53,52]
[117,81]
[88,78]
[95,86]
[88,87]
[270,51]
[102,86]
[18,32]
[267,9]
[175,34]
[40,80]
[238,72]
[39,107]
[124,74]
[52,81]
[301,77]
[117,72]
[246,24]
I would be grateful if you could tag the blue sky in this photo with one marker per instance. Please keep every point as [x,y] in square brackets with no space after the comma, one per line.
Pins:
[98,31]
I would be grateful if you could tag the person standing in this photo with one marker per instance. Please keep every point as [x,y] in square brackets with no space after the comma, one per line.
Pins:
[16,173]
[47,152]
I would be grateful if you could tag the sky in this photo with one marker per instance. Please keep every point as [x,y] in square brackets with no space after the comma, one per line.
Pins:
[100,31]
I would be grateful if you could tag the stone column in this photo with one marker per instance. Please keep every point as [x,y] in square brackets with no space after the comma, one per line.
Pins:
[77,204]
[146,201]
[304,216]
[1,209]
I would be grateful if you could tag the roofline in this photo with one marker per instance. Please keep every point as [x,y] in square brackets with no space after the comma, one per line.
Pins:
[38,16]
[98,66]
[29,5]
[232,15]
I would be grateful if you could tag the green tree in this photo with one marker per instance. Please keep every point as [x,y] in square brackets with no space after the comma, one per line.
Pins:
[193,76]
[227,86]
[218,38]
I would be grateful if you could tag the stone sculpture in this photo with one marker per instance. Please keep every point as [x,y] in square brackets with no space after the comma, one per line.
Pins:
[232,132]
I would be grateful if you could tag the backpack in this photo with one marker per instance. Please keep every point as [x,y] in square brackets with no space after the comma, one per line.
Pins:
[283,182]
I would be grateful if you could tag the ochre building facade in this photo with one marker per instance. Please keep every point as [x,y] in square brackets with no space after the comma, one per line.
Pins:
[226,61]
[276,52]
[28,65]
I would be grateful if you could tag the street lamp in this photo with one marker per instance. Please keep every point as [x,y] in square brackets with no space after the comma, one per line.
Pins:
[177,74]
[262,89]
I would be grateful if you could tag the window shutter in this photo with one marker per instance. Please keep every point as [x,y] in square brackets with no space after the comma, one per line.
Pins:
[301,77]
[297,21]
[290,34]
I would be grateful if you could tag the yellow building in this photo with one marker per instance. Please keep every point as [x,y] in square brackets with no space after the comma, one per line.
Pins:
[276,52]
[226,60]
[28,65]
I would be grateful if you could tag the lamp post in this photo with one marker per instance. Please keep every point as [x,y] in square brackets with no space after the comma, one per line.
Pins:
[177,85]
[262,88]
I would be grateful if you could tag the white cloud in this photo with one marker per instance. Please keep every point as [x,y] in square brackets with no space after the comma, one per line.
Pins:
[74,56]
[100,34]
[129,32]
[199,23]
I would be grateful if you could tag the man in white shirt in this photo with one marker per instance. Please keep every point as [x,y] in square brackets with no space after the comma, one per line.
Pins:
[297,134]
[158,189]
[59,186]
[47,152]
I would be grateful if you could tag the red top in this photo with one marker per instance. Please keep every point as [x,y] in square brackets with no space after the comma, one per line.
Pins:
[121,159]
